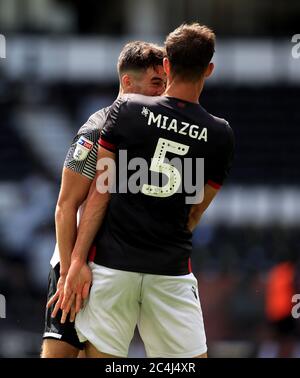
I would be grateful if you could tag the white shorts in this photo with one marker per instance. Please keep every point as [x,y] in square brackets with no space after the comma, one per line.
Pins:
[166,310]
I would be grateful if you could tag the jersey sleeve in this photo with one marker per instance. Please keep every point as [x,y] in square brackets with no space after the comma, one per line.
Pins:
[82,155]
[109,133]
[221,164]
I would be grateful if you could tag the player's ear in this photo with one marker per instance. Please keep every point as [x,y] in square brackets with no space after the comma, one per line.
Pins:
[126,82]
[166,65]
[209,69]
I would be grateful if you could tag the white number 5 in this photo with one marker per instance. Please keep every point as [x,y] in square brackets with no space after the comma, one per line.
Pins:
[157,165]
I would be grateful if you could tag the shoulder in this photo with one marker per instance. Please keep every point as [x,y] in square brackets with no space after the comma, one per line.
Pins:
[128,105]
[95,123]
[135,101]
[220,125]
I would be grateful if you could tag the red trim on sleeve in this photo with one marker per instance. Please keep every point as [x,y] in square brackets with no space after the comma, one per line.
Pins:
[190,265]
[92,253]
[214,184]
[108,146]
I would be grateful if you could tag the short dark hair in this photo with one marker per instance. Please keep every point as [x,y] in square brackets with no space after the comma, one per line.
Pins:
[189,49]
[139,56]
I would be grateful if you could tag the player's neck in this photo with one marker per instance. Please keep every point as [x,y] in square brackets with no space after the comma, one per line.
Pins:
[187,91]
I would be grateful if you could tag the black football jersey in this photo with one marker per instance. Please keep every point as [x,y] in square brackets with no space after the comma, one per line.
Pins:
[145,227]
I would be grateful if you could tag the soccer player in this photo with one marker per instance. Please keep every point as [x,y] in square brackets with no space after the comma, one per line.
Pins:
[140,71]
[141,270]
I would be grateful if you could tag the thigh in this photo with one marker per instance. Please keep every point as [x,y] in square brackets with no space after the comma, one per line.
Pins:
[110,314]
[58,349]
[92,352]
[204,355]
[171,321]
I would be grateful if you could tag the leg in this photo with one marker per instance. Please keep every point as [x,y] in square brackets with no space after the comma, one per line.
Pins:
[167,303]
[204,355]
[92,352]
[82,354]
[108,320]
[58,349]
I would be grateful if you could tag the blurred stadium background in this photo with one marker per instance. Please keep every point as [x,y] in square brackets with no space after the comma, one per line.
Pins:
[60,67]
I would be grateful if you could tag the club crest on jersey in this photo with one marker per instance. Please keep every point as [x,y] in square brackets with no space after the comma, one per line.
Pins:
[175,126]
[82,149]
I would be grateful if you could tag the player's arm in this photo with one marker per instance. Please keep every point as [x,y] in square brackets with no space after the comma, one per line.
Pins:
[94,212]
[90,223]
[198,209]
[78,173]
[95,207]
[218,170]
[73,192]
[74,189]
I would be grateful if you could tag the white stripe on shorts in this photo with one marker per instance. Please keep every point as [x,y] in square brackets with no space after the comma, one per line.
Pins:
[52,334]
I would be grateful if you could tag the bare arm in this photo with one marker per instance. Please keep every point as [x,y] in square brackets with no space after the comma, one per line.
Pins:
[94,211]
[198,209]
[73,192]
[90,223]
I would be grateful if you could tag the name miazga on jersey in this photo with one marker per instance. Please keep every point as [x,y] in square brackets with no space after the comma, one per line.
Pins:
[171,124]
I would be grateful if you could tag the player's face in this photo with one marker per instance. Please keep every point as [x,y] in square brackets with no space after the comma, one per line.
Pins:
[150,83]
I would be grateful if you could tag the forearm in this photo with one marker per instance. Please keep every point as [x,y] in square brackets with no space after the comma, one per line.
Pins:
[198,210]
[66,230]
[90,223]
[194,219]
